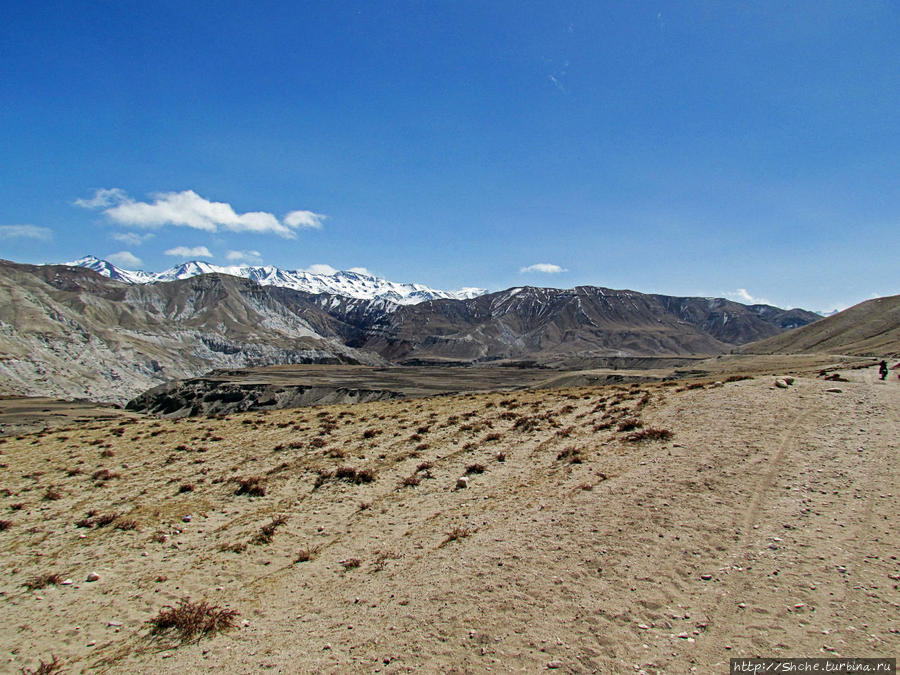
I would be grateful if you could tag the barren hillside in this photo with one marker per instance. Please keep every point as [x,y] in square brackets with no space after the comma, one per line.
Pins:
[586,539]
[871,328]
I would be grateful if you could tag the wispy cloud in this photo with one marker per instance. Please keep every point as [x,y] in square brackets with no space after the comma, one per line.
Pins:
[244,256]
[304,219]
[131,238]
[185,252]
[124,258]
[544,268]
[103,198]
[360,270]
[188,209]
[743,295]
[25,232]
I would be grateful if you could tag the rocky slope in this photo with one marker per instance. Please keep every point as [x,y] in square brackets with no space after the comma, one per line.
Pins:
[68,332]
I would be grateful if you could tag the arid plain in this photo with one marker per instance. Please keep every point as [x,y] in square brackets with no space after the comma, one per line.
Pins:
[640,527]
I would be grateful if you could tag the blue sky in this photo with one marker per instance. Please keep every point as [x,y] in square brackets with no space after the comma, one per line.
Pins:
[746,149]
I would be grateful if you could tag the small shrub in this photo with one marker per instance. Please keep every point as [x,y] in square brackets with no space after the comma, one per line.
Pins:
[629,424]
[267,532]
[458,532]
[350,563]
[491,438]
[104,475]
[44,580]
[307,553]
[5,525]
[107,453]
[411,481]
[187,487]
[252,485]
[189,619]
[371,433]
[475,468]
[571,454]
[52,494]
[649,434]
[738,378]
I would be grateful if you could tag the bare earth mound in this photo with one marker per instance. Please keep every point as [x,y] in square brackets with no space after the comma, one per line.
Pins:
[586,538]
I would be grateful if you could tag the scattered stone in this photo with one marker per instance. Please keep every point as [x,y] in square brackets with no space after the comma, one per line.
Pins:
[93,576]
[114,624]
[781,384]
[834,390]
[553,665]
[706,577]
[462,483]
[187,518]
[66,582]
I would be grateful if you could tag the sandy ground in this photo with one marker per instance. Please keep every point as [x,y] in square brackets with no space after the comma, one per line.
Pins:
[766,525]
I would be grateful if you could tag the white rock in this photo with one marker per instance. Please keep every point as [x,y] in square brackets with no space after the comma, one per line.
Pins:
[462,482]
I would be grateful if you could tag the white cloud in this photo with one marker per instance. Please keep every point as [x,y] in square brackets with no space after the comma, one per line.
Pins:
[545,268]
[742,295]
[185,252]
[102,199]
[320,269]
[360,270]
[25,232]
[124,258]
[131,238]
[304,219]
[244,256]
[188,209]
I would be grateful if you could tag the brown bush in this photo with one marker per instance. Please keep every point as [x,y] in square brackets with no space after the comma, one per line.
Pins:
[43,580]
[252,485]
[267,533]
[189,619]
[571,454]
[649,434]
[629,424]
[458,532]
[475,468]
[307,553]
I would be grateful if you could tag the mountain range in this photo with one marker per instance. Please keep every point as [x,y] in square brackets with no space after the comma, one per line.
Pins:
[68,331]
[347,283]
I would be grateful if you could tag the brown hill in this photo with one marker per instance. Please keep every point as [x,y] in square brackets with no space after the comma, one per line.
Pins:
[871,328]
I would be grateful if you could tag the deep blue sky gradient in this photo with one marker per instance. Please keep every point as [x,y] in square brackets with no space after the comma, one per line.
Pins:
[690,148]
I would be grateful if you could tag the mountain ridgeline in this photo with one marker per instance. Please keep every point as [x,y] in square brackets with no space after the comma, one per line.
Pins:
[70,332]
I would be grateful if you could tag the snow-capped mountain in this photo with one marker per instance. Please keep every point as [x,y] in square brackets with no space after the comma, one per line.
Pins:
[343,283]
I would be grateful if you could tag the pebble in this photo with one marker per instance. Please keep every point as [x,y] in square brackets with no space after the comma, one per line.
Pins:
[187,518]
[706,577]
[93,576]
[553,665]
[66,582]
[114,624]
[833,390]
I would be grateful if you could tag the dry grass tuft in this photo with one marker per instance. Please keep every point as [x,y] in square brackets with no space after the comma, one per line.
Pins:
[629,424]
[571,454]
[267,533]
[189,619]
[255,486]
[43,580]
[458,532]
[307,553]
[350,563]
[649,434]
[475,468]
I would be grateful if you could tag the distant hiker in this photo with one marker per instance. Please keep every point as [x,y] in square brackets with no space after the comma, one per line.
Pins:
[883,370]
